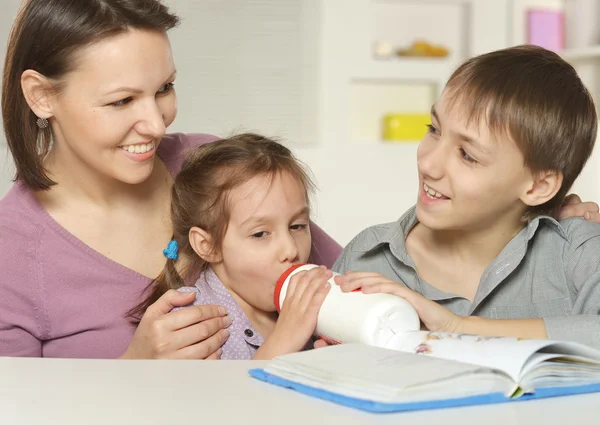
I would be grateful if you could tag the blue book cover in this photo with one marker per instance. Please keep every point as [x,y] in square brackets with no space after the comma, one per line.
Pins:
[450,372]
[378,407]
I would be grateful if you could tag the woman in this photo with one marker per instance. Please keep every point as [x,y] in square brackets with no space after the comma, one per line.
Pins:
[87,97]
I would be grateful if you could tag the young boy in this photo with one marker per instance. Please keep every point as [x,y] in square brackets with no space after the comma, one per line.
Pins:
[510,133]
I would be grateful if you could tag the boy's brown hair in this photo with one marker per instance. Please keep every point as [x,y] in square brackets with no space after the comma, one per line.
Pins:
[535,98]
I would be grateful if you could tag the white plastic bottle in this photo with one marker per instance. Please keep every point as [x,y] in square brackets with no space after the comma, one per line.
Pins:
[346,317]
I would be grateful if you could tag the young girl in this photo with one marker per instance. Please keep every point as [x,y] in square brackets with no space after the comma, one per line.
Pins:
[240,212]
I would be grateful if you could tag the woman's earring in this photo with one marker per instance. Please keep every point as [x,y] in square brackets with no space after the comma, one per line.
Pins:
[42,123]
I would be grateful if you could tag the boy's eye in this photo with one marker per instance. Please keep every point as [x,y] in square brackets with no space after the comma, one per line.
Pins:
[298,226]
[466,156]
[122,102]
[432,129]
[166,88]
[259,235]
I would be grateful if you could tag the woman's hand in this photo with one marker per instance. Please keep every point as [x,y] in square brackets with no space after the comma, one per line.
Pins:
[433,316]
[298,317]
[196,332]
[573,207]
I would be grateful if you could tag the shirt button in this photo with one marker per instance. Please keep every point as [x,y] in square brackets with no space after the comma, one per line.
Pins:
[249,333]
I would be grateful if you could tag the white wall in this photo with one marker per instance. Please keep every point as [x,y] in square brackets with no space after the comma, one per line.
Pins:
[6,169]
[360,184]
[9,10]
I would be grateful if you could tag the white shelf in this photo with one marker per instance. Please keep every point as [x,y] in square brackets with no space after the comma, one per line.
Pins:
[582,53]
[383,143]
[430,69]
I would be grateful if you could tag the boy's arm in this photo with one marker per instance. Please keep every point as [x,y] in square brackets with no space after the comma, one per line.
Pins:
[520,328]
[582,270]
[582,325]
[581,261]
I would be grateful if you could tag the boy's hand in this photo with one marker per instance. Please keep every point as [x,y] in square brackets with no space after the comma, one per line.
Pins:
[433,316]
[298,317]
[574,207]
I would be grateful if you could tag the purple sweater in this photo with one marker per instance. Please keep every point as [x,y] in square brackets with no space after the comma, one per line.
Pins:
[59,297]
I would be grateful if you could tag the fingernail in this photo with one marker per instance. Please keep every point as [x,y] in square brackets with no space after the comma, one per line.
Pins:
[225,333]
[222,310]
[219,352]
[587,216]
[227,321]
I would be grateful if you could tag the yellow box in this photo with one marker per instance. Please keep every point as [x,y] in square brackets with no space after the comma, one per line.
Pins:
[405,127]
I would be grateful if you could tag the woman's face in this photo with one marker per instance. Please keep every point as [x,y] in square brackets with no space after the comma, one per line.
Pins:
[114,107]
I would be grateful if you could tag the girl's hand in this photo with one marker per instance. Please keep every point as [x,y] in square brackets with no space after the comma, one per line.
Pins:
[298,317]
[196,332]
[433,316]
[573,207]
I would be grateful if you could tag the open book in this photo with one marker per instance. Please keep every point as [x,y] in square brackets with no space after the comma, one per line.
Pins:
[426,370]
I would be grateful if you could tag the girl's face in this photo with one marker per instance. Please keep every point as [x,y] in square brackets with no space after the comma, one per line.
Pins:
[268,232]
[115,107]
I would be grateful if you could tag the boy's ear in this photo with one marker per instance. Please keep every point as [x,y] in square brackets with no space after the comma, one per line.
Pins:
[202,244]
[545,185]
[38,93]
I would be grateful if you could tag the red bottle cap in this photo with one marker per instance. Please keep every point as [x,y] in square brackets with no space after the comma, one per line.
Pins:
[280,283]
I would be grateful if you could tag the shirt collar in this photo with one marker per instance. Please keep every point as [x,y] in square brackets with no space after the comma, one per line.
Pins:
[395,237]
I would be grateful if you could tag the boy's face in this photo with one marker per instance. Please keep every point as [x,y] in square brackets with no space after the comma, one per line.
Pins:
[468,179]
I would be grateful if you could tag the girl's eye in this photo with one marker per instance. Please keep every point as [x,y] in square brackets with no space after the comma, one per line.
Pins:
[166,88]
[298,226]
[432,129]
[259,235]
[466,156]
[122,102]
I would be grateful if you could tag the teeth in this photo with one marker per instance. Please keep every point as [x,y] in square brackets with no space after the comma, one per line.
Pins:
[432,193]
[141,148]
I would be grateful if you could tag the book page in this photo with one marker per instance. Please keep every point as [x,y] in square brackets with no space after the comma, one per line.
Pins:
[503,353]
[374,373]
[560,364]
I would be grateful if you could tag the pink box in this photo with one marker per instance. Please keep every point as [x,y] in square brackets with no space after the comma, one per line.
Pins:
[545,28]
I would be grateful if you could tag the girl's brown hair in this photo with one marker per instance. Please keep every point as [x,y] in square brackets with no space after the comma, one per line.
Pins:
[200,198]
[46,37]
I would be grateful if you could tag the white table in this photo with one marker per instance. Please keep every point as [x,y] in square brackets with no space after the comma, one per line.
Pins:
[118,392]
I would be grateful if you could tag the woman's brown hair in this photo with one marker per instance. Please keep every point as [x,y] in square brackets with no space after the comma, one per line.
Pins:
[199,198]
[46,37]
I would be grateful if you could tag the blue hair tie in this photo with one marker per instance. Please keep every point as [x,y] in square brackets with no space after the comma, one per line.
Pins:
[172,250]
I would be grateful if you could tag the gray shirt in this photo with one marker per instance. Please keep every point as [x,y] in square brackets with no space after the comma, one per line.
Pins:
[550,270]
